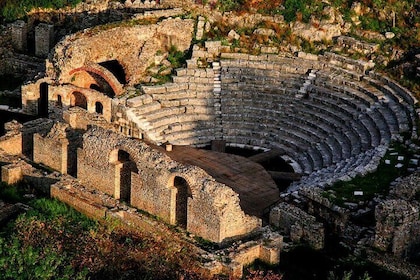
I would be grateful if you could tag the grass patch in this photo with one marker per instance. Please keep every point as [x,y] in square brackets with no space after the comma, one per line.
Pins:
[374,183]
[14,193]
[53,241]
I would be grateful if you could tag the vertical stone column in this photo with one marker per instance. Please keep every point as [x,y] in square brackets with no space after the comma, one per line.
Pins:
[44,38]
[19,35]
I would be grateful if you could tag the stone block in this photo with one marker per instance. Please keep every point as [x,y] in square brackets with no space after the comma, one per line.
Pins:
[19,35]
[270,255]
[11,174]
[44,39]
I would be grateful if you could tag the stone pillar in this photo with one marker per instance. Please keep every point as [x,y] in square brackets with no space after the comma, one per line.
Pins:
[19,35]
[44,38]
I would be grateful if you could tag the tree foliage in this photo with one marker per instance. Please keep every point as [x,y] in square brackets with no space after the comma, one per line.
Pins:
[15,9]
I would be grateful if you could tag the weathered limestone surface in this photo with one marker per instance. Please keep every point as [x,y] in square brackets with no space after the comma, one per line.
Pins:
[213,209]
[44,38]
[133,47]
[57,149]
[11,142]
[11,174]
[407,188]
[397,227]
[19,35]
[299,225]
[29,129]
[51,150]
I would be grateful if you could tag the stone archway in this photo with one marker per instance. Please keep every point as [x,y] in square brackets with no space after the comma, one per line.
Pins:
[183,193]
[124,166]
[104,80]
[115,68]
[78,99]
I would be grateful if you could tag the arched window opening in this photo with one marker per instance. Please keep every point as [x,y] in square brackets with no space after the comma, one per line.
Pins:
[99,108]
[115,68]
[59,102]
[79,100]
[95,87]
[43,100]
[181,205]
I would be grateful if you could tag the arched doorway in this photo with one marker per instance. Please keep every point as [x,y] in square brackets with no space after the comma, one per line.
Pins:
[43,100]
[124,166]
[59,102]
[99,108]
[78,99]
[181,201]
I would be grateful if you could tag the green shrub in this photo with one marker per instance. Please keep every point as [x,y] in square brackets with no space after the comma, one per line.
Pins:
[230,5]
[292,7]
[10,193]
[20,262]
[13,9]
[176,57]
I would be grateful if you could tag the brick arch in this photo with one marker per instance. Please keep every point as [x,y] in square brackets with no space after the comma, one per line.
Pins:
[104,73]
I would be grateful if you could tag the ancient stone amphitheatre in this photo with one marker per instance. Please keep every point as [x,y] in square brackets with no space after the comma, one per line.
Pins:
[234,146]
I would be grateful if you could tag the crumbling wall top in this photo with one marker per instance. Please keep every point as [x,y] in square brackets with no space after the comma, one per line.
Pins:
[133,47]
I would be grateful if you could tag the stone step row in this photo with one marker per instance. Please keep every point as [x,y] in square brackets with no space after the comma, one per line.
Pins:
[343,171]
[240,115]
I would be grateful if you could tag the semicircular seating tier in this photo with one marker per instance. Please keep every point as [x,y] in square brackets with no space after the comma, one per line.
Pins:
[329,123]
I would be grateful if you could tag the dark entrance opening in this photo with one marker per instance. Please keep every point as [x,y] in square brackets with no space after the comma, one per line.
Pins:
[99,108]
[59,101]
[43,100]
[78,99]
[115,68]
[101,85]
[128,166]
[183,193]
[95,87]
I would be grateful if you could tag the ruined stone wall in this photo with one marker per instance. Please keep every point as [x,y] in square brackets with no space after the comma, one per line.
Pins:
[67,95]
[132,46]
[353,44]
[396,221]
[52,149]
[19,35]
[79,119]
[31,94]
[29,129]
[44,39]
[11,142]
[51,152]
[298,225]
[213,209]
[319,206]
